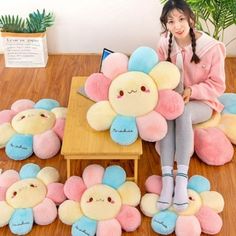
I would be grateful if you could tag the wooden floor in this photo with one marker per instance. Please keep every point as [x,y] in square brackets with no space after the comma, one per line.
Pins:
[54,82]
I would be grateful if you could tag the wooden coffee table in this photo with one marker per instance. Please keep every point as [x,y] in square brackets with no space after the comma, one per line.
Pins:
[81,142]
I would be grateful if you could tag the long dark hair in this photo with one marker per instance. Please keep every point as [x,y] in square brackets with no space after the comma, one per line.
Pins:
[182,6]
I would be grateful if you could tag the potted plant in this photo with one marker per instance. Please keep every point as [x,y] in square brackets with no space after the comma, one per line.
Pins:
[214,14]
[24,40]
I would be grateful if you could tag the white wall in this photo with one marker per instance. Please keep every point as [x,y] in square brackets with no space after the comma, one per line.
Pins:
[87,26]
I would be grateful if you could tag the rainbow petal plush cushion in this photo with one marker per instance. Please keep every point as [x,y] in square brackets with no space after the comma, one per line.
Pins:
[101,203]
[201,216]
[29,197]
[213,138]
[30,127]
[134,96]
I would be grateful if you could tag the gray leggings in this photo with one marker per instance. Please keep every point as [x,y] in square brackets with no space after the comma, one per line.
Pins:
[178,144]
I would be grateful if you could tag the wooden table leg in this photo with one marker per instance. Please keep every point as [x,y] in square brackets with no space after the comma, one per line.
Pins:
[136,170]
[68,168]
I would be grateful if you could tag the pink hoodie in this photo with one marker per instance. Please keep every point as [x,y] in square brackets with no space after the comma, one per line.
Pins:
[207,78]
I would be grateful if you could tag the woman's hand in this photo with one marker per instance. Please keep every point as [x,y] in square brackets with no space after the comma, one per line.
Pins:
[186,95]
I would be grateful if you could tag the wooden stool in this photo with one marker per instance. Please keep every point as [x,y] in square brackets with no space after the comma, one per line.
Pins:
[81,142]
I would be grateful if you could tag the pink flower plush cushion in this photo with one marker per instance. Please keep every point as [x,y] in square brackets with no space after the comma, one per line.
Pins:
[212,146]
[211,223]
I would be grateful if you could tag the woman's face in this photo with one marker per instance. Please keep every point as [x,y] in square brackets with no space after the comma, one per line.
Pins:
[177,24]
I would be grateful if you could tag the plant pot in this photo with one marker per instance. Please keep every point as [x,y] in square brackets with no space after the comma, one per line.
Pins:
[25,49]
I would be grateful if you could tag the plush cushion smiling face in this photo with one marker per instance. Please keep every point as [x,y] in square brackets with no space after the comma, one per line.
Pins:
[33,121]
[134,96]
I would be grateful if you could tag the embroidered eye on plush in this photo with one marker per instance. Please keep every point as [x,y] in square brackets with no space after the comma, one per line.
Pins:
[23,117]
[14,194]
[90,199]
[42,115]
[121,94]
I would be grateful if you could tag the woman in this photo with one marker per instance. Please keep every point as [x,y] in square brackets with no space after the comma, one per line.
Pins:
[200,59]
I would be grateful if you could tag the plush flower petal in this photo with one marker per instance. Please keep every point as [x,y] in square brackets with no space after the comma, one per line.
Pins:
[210,221]
[6,133]
[6,213]
[9,177]
[124,130]
[48,175]
[3,191]
[212,122]
[20,147]
[148,204]
[164,222]
[108,228]
[100,115]
[143,59]
[56,193]
[114,176]
[47,104]
[228,126]
[21,105]
[69,212]
[74,188]
[130,193]
[97,86]
[214,200]
[170,104]
[29,171]
[59,127]
[93,174]
[152,127]
[46,145]
[6,116]
[129,218]
[213,151]
[60,112]
[84,226]
[199,183]
[187,225]
[166,75]
[229,102]
[153,184]
[45,212]
[19,216]
[114,65]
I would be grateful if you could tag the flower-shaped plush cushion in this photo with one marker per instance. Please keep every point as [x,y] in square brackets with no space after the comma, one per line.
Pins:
[200,216]
[101,202]
[30,127]
[222,126]
[29,196]
[134,96]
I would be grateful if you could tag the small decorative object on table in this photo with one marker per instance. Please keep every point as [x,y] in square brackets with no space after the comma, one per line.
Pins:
[101,203]
[24,40]
[29,197]
[30,127]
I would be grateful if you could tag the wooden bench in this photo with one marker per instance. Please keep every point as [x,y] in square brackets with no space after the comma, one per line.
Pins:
[81,142]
